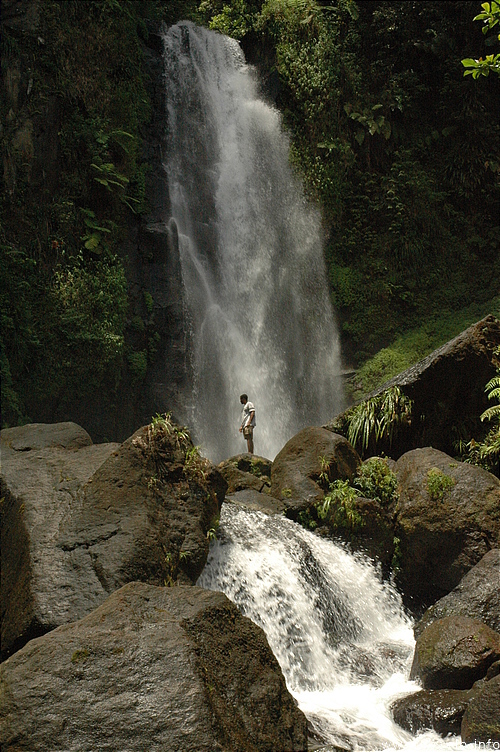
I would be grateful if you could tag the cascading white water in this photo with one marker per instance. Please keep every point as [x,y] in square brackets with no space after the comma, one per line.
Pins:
[251,253]
[339,634]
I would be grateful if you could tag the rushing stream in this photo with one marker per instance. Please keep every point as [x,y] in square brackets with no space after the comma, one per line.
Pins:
[339,634]
[251,252]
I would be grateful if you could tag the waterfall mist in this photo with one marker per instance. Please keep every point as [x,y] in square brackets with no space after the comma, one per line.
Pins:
[338,632]
[251,253]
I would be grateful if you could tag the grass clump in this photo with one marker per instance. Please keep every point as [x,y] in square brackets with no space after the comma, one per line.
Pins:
[375,480]
[438,483]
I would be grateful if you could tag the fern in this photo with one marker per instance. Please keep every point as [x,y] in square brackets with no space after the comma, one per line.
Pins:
[493,389]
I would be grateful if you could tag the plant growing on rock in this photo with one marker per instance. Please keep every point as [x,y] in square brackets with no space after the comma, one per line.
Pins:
[379,419]
[375,480]
[438,483]
[486,453]
[338,506]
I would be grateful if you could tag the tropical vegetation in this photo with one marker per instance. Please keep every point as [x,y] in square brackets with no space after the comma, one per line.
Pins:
[398,148]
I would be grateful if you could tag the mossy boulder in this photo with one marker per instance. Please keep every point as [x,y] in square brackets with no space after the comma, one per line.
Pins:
[454,652]
[447,518]
[481,720]
[312,454]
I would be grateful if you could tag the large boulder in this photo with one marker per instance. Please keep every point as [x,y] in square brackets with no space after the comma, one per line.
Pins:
[43,469]
[454,652]
[311,455]
[440,710]
[447,519]
[477,595]
[146,512]
[69,539]
[151,668]
[481,720]
[447,393]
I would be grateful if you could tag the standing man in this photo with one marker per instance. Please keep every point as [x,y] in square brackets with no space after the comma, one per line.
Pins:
[247,421]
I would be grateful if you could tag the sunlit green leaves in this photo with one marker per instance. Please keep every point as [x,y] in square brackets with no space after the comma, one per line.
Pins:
[491,63]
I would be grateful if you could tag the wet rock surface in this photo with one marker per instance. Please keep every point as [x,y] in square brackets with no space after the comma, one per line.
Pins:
[481,719]
[246,471]
[440,710]
[454,652]
[256,502]
[477,596]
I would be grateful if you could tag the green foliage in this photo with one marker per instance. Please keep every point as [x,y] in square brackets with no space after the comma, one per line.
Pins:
[165,437]
[493,390]
[378,419]
[375,480]
[339,507]
[486,453]
[306,519]
[438,484]
[138,365]
[490,17]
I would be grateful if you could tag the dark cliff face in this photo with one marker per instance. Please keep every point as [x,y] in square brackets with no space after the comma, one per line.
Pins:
[157,318]
[45,169]
[151,257]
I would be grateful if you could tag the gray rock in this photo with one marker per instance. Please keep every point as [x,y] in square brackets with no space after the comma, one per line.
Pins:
[454,652]
[43,469]
[477,595]
[442,534]
[296,470]
[151,669]
[68,539]
[481,720]
[44,435]
[440,710]
[146,520]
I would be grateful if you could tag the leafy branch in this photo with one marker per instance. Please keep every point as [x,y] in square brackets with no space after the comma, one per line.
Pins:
[482,67]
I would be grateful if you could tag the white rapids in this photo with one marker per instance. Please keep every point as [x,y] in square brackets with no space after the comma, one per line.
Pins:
[339,633]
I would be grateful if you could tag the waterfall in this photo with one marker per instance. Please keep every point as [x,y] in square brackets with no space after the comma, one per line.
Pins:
[251,253]
[338,632]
